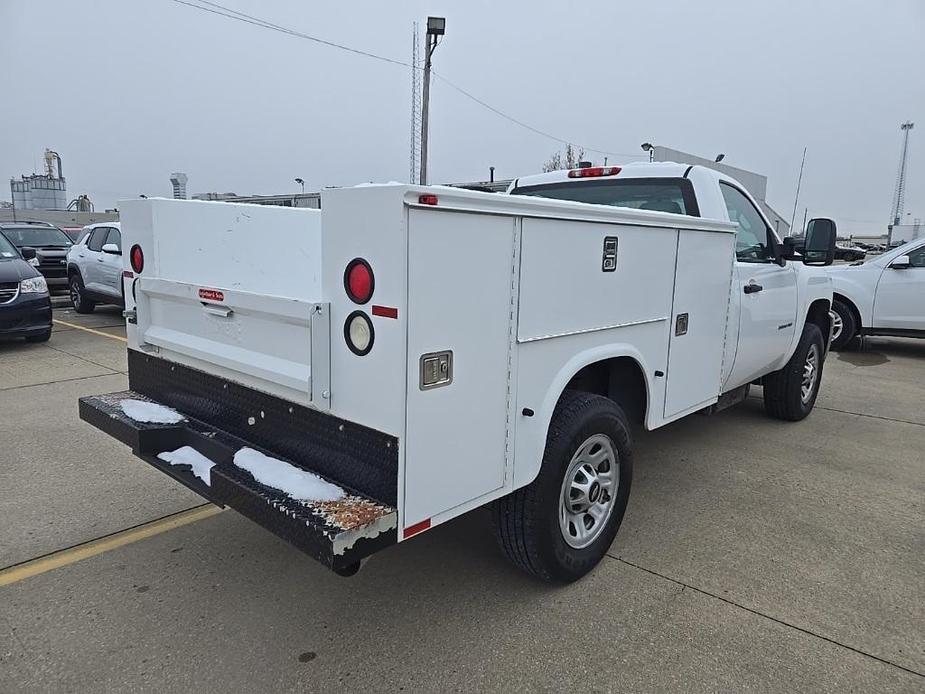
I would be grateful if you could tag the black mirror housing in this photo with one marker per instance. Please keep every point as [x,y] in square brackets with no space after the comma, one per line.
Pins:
[27,253]
[819,245]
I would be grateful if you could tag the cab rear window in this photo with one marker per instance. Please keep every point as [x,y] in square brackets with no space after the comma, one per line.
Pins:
[664,194]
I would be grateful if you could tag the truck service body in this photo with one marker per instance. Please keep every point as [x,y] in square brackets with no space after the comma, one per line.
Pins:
[431,350]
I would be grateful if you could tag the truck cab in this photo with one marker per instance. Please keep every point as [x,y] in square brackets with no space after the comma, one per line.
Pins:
[772,294]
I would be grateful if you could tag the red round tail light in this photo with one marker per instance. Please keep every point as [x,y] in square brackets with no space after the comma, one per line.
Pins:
[137,258]
[359,281]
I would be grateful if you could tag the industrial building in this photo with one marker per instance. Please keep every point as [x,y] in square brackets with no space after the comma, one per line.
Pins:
[43,198]
[46,191]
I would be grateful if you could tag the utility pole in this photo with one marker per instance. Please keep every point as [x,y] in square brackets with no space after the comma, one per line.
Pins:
[899,197]
[436,27]
[797,198]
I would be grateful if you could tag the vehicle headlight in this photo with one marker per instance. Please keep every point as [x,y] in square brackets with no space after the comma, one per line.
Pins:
[34,285]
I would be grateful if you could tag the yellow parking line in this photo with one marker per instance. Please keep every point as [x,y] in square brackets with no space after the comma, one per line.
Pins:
[71,555]
[90,330]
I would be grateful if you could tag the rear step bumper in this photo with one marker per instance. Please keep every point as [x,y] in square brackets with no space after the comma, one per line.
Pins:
[337,533]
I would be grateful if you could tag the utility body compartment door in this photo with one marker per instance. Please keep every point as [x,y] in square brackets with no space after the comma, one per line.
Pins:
[460,284]
[698,323]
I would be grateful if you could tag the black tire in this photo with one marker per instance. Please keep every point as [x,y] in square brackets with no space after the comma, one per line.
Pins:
[846,338]
[78,298]
[41,337]
[527,523]
[783,390]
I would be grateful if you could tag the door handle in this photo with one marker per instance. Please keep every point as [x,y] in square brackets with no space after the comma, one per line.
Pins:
[752,287]
[220,311]
[99,260]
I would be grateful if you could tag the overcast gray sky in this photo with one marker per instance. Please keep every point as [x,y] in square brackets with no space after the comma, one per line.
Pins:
[129,91]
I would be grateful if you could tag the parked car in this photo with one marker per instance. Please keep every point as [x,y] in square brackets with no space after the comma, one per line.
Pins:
[94,267]
[849,253]
[51,246]
[25,307]
[883,296]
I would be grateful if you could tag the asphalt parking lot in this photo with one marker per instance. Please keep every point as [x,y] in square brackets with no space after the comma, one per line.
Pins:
[755,556]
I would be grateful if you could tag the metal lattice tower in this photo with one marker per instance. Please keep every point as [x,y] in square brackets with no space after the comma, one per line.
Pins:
[415,172]
[899,195]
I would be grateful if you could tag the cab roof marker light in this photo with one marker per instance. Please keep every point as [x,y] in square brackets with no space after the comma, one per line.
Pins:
[594,171]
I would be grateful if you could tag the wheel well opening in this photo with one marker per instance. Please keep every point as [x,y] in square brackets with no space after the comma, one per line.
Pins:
[619,378]
[851,307]
[819,314]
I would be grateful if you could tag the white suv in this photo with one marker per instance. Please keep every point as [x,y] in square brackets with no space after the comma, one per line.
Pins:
[881,296]
[94,267]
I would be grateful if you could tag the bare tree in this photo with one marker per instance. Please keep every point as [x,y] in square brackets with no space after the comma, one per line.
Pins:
[557,161]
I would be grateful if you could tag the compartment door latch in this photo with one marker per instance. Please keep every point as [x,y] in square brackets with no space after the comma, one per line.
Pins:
[436,369]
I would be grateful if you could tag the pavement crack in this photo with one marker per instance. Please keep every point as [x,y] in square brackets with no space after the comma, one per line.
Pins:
[871,416]
[59,380]
[758,613]
[89,361]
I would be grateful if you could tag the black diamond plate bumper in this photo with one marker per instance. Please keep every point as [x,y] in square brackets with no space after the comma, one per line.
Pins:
[338,534]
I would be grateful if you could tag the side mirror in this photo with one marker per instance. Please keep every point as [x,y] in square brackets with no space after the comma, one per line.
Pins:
[819,248]
[28,253]
[901,263]
[111,248]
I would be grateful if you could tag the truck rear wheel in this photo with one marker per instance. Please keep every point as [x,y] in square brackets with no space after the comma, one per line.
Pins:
[791,392]
[560,526]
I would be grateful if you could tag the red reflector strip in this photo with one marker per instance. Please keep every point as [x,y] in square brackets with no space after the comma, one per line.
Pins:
[427,199]
[128,274]
[211,295]
[416,528]
[592,171]
[385,311]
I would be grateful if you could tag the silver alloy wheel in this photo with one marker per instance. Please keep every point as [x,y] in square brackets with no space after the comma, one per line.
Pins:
[810,373]
[837,325]
[75,293]
[589,491]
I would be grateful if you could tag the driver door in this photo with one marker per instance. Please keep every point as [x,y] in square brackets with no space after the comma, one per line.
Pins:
[899,303]
[768,292]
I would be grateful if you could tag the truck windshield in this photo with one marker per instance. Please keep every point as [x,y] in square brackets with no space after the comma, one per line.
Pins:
[664,194]
[37,236]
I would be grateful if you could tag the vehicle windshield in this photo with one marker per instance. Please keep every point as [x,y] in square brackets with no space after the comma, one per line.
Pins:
[6,249]
[663,195]
[37,237]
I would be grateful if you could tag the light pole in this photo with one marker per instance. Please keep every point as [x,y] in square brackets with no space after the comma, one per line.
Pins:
[647,147]
[436,26]
[301,183]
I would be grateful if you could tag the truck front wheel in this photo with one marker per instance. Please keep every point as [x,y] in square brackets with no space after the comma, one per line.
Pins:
[560,526]
[791,392]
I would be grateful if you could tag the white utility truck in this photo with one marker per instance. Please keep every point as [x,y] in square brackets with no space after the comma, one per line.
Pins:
[350,377]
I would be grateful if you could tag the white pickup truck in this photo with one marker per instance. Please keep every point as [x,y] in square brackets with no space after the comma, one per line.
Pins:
[351,377]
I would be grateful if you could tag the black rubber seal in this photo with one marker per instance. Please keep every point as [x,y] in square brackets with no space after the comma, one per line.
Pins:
[372,334]
[372,280]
